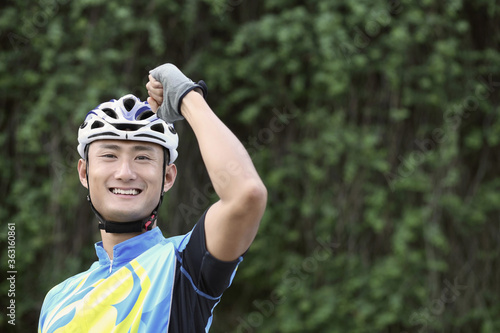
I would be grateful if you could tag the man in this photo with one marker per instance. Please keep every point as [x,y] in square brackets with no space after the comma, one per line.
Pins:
[142,281]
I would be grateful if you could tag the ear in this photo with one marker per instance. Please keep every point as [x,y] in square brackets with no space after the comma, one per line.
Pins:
[82,172]
[170,175]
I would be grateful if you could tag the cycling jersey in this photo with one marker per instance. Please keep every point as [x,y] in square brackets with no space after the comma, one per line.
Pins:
[153,284]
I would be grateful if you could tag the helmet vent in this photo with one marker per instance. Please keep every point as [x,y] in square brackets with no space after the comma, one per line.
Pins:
[145,115]
[172,129]
[97,124]
[127,127]
[158,128]
[110,113]
[129,103]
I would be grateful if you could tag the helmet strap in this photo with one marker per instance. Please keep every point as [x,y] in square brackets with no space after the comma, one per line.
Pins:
[132,226]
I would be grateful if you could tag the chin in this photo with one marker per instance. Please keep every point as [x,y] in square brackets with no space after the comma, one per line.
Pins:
[126,217]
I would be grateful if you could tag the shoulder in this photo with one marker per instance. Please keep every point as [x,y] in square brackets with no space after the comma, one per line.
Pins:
[70,284]
[180,242]
[75,279]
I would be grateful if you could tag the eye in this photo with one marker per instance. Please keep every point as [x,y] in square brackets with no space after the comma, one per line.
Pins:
[143,158]
[108,156]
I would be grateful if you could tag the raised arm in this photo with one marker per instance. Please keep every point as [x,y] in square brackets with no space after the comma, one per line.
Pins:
[232,222]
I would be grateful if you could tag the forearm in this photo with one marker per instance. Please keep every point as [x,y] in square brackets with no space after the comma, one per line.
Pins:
[229,166]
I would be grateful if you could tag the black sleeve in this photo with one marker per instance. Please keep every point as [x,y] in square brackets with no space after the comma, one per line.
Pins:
[200,280]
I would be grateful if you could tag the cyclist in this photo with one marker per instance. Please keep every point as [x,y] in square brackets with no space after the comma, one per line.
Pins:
[144,282]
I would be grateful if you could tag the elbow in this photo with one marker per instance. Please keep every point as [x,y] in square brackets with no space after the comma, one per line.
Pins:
[258,194]
[254,197]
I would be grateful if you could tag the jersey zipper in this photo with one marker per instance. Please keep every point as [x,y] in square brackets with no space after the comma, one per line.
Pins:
[110,263]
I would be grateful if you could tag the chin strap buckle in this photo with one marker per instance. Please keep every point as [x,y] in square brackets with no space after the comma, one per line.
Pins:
[148,224]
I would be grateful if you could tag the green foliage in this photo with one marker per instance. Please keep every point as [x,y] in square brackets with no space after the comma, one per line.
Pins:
[374,125]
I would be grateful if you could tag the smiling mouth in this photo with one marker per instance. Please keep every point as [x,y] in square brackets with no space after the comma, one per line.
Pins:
[131,191]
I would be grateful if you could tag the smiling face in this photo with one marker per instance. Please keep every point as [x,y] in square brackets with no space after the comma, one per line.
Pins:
[125,178]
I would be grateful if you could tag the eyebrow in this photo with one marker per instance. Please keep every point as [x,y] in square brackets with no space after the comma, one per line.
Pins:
[117,147]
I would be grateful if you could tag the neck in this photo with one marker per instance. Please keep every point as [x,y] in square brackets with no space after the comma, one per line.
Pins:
[109,240]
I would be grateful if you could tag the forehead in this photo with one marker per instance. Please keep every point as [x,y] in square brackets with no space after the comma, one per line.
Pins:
[122,145]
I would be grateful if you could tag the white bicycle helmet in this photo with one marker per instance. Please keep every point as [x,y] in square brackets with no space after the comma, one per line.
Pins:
[127,119]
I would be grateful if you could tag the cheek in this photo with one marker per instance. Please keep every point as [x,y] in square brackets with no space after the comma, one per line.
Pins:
[97,177]
[155,180]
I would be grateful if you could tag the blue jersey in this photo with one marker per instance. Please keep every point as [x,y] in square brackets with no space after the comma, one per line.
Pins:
[153,284]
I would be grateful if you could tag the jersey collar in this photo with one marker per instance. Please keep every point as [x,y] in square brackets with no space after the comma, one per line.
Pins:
[131,248]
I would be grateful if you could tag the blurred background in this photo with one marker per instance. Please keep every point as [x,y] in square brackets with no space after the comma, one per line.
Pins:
[374,124]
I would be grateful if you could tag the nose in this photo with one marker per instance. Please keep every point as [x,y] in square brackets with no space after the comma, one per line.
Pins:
[125,171]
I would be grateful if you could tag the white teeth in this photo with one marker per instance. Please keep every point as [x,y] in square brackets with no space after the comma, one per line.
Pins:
[127,192]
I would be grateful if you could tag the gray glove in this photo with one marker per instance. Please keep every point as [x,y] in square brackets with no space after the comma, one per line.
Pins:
[175,86]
